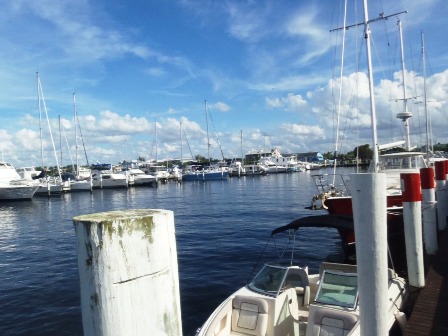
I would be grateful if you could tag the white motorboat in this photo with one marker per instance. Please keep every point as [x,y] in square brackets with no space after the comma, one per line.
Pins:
[255,169]
[277,163]
[103,176]
[138,177]
[77,183]
[47,185]
[236,169]
[12,186]
[285,299]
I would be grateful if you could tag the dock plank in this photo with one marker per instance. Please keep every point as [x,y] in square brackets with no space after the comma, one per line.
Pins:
[429,315]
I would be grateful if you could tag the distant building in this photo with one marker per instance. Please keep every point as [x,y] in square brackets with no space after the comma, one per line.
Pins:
[315,157]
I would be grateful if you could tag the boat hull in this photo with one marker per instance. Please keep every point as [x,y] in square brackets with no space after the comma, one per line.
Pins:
[205,176]
[16,192]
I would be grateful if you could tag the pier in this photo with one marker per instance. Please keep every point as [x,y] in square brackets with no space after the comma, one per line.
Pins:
[430,312]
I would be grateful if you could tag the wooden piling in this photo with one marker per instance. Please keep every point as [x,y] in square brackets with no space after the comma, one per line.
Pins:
[128,271]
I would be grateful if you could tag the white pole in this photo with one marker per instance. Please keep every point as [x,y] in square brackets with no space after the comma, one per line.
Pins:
[370,219]
[429,210]
[128,271]
[412,216]
[441,194]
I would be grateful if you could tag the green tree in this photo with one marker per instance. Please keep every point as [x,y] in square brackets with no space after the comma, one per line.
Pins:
[364,152]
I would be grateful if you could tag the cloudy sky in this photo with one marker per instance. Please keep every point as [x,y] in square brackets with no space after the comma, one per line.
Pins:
[269,71]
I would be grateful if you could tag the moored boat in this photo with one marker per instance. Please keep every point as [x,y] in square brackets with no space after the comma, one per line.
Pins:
[199,173]
[284,298]
[12,186]
[103,176]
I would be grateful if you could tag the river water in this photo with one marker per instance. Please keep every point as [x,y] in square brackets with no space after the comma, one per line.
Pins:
[221,229]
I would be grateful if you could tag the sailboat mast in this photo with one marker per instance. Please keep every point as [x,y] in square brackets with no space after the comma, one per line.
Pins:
[76,135]
[242,155]
[371,91]
[425,102]
[405,115]
[40,122]
[60,137]
[155,137]
[208,139]
[180,138]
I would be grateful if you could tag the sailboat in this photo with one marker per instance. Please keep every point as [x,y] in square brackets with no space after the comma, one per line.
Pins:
[78,182]
[50,185]
[284,298]
[334,193]
[201,173]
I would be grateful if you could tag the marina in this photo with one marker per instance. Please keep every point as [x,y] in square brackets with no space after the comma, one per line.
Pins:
[220,226]
[37,248]
[281,241]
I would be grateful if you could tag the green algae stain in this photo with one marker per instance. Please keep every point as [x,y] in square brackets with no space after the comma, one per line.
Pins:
[121,223]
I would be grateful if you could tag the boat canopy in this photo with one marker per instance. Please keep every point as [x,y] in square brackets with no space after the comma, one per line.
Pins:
[330,221]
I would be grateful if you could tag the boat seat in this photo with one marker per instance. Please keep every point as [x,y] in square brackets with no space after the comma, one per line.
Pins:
[330,322]
[249,316]
[297,278]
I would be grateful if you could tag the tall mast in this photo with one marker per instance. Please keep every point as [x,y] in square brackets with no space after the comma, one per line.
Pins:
[60,137]
[76,134]
[371,91]
[40,121]
[405,115]
[208,139]
[155,137]
[366,25]
[180,136]
[425,102]
[41,92]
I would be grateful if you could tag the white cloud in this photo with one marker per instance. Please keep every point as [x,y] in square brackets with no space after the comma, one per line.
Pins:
[220,106]
[292,102]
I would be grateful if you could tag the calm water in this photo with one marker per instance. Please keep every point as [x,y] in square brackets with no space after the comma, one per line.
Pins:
[221,229]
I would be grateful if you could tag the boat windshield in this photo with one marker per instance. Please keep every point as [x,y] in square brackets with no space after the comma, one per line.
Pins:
[338,289]
[269,279]
[403,160]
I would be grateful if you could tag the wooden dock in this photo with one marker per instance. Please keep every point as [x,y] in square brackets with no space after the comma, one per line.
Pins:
[429,316]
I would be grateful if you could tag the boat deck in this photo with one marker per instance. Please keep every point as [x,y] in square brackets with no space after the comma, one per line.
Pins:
[430,312]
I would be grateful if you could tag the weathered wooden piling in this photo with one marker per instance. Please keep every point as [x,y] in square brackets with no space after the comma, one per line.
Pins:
[370,219]
[128,271]
[412,216]
[429,210]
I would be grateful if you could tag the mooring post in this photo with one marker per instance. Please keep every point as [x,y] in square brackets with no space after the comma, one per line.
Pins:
[370,219]
[441,194]
[127,262]
[412,216]
[429,210]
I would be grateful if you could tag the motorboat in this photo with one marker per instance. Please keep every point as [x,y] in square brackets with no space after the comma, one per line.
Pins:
[285,298]
[138,177]
[278,163]
[77,183]
[12,186]
[103,176]
[236,169]
[255,169]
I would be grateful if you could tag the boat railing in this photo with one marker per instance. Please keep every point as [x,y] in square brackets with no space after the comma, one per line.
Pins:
[336,184]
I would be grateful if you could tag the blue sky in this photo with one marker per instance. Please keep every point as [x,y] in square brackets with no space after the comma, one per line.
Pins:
[269,71]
